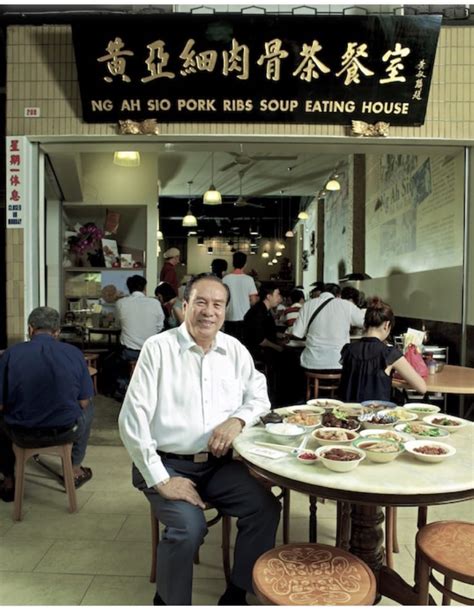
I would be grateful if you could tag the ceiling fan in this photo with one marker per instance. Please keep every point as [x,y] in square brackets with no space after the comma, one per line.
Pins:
[243,159]
[241,200]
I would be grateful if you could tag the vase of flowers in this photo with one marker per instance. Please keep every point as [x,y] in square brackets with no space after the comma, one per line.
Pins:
[85,245]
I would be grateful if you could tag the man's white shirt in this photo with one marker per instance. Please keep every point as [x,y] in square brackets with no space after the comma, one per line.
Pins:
[140,317]
[328,332]
[241,287]
[179,394]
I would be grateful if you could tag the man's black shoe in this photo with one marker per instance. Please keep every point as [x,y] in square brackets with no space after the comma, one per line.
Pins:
[157,600]
[233,596]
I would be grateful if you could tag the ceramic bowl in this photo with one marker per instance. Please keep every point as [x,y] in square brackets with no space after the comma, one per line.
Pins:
[413,448]
[344,436]
[387,435]
[307,420]
[375,452]
[311,458]
[422,409]
[421,430]
[456,423]
[286,434]
[341,466]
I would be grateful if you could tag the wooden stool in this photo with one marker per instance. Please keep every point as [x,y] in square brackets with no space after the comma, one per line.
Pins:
[312,574]
[447,547]
[321,381]
[23,454]
[225,544]
[91,360]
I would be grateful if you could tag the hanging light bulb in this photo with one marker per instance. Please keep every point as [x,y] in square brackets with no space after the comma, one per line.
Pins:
[212,196]
[265,254]
[289,234]
[278,253]
[333,184]
[302,215]
[189,219]
[274,260]
[159,235]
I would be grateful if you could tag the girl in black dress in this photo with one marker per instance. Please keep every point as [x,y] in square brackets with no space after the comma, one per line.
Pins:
[368,364]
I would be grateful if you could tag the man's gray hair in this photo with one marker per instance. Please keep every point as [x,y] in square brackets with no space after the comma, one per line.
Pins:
[44,318]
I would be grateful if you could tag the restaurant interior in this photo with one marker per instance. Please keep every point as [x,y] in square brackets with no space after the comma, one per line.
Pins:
[393,227]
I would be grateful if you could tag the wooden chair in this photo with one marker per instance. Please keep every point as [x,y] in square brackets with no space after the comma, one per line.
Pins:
[446,547]
[312,574]
[225,543]
[23,454]
[316,382]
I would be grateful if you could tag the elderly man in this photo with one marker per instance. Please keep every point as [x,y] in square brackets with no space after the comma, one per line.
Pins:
[168,271]
[45,392]
[193,390]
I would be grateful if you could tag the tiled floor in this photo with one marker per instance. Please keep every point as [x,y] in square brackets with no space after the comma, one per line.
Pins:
[101,555]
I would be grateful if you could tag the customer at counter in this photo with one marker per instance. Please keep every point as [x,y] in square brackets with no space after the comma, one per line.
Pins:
[368,364]
[168,270]
[45,397]
[325,322]
[193,391]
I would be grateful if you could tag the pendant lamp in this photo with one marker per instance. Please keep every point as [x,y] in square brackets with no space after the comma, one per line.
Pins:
[212,196]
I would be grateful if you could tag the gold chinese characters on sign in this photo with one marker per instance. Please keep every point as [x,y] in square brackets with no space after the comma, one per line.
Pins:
[236,61]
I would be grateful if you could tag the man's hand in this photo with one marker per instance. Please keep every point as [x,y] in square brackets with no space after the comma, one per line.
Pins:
[223,436]
[181,489]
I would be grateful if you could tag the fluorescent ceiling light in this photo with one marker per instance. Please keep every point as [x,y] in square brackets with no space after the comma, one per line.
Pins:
[127,158]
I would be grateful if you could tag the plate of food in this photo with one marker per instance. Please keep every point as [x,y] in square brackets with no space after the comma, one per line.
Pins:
[430,451]
[378,405]
[325,435]
[305,419]
[401,414]
[377,419]
[340,418]
[379,450]
[324,403]
[387,435]
[421,430]
[422,409]
[448,423]
[340,459]
[295,409]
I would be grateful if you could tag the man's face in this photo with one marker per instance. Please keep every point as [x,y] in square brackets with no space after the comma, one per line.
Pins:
[274,299]
[205,311]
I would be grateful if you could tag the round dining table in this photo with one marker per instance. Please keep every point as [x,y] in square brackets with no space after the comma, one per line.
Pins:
[404,482]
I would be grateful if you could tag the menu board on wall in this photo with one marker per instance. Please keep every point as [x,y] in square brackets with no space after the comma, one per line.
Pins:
[414,213]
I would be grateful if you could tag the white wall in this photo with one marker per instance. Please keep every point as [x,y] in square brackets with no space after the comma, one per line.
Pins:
[107,184]
[54,254]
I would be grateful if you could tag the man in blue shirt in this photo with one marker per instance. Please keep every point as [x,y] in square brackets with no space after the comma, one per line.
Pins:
[45,392]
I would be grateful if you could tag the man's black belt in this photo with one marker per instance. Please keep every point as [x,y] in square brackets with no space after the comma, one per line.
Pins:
[200,457]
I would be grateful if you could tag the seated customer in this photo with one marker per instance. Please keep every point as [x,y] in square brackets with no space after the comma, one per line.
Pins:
[172,305]
[45,392]
[260,332]
[139,317]
[368,364]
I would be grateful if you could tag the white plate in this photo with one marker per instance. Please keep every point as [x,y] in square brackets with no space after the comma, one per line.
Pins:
[461,423]
[308,427]
[401,414]
[324,403]
[411,447]
[401,429]
[422,409]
